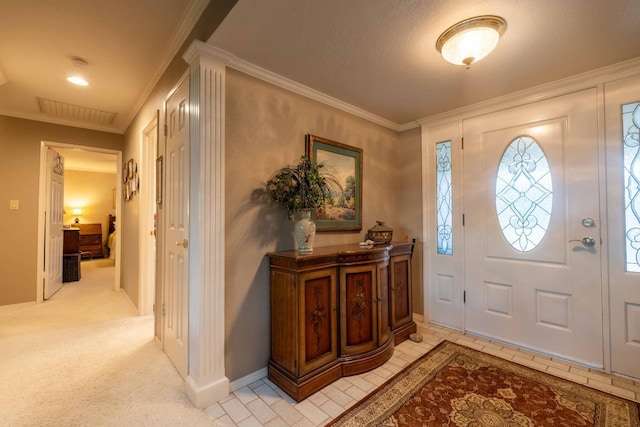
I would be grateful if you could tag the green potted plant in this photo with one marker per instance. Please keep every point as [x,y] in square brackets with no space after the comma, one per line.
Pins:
[301,189]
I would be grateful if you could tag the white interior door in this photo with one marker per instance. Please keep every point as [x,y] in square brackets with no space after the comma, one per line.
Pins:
[146,296]
[529,277]
[623,204]
[54,194]
[176,256]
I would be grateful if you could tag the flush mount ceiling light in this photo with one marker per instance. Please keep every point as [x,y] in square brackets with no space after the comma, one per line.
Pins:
[82,64]
[471,40]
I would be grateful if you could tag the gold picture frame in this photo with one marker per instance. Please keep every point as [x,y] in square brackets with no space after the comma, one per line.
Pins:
[344,162]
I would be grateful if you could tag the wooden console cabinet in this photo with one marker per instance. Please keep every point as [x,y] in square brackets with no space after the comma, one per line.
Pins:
[335,312]
[91,240]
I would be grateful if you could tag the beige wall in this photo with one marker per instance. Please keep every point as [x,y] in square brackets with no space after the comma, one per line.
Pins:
[93,193]
[20,142]
[409,176]
[214,13]
[265,129]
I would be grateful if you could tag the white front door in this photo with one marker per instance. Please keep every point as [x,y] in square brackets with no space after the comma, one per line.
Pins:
[622,124]
[54,194]
[530,278]
[176,256]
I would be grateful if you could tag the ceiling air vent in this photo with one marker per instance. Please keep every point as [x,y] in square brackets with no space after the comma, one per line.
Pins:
[75,112]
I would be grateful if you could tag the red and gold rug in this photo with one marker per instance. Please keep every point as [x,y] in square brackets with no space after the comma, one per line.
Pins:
[458,386]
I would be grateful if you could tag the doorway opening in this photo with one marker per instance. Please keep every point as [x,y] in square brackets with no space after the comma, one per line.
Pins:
[91,199]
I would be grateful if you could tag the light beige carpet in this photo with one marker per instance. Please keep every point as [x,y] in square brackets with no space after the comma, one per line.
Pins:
[80,368]
[92,299]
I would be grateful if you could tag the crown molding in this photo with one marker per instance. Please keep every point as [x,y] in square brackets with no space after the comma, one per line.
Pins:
[198,49]
[288,84]
[191,16]
[408,125]
[564,86]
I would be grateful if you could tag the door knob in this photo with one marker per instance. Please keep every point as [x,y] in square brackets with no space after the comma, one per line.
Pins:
[586,241]
[184,243]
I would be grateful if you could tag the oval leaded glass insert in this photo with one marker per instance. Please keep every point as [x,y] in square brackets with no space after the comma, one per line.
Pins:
[524,194]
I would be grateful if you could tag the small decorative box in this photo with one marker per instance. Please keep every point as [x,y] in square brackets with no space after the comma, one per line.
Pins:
[380,233]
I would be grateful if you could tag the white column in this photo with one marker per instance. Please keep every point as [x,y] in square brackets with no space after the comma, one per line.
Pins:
[206,382]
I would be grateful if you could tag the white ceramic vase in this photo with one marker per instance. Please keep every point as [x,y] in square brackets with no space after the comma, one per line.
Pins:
[304,231]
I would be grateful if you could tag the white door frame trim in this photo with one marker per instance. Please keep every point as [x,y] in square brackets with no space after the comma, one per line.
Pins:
[147,252]
[206,382]
[44,146]
[597,78]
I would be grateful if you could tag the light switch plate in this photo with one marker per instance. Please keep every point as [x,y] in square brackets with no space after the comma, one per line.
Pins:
[14,205]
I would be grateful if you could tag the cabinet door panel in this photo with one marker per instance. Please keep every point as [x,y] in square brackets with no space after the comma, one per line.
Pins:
[357,308]
[284,320]
[384,324]
[319,328]
[400,291]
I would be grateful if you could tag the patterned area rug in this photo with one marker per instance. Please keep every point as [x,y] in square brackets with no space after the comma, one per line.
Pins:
[458,386]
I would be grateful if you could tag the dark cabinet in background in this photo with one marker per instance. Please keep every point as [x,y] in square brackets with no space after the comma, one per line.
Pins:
[71,255]
[91,245]
[71,241]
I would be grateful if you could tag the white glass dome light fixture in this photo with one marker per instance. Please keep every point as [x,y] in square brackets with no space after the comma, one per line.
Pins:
[470,40]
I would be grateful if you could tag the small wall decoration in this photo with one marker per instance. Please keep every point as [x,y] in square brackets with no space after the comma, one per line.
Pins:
[58,165]
[344,213]
[130,179]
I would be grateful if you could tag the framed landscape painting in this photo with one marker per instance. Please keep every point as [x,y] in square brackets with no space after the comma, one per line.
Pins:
[344,211]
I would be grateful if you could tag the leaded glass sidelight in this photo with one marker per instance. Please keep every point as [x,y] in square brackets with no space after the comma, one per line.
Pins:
[524,194]
[630,130]
[443,198]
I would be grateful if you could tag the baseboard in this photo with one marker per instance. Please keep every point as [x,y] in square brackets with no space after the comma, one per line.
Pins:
[17,305]
[207,395]
[248,379]
[262,373]
[128,298]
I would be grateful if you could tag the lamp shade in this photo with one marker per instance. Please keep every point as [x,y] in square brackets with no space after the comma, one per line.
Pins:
[76,212]
[471,40]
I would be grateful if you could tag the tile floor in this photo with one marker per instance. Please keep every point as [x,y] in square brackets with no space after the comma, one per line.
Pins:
[264,404]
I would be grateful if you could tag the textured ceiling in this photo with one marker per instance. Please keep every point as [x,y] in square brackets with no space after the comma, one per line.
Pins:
[380,56]
[127,43]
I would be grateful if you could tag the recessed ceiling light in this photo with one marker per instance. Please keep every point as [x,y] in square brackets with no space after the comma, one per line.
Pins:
[81,63]
[77,80]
